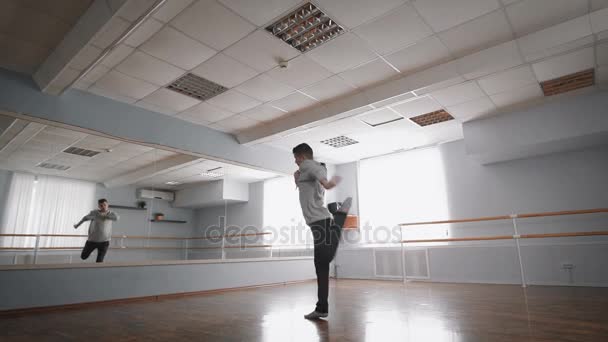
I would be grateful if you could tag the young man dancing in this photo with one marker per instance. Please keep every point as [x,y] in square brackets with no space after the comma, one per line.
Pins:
[311,180]
[100,230]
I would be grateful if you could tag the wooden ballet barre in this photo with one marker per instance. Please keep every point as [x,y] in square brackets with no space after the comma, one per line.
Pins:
[559,235]
[508,217]
[508,237]
[223,236]
[478,238]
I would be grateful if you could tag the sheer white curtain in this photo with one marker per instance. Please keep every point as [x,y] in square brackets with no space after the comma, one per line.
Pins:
[51,205]
[399,188]
[283,215]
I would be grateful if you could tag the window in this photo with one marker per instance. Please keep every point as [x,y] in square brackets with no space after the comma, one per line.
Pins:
[283,215]
[45,205]
[400,188]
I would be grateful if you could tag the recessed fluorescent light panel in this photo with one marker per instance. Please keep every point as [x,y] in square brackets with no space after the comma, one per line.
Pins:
[173,183]
[53,166]
[213,173]
[340,141]
[80,151]
[432,118]
[196,87]
[306,28]
[569,82]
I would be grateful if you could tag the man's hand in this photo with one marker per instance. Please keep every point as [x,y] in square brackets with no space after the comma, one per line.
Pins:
[76,225]
[330,184]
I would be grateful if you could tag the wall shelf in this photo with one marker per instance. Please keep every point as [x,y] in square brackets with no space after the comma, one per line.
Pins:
[168,221]
[126,207]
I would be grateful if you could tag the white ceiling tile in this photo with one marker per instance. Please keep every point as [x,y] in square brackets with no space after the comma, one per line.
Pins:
[458,94]
[206,112]
[237,122]
[472,110]
[443,132]
[379,116]
[121,84]
[443,14]
[117,55]
[342,53]
[261,51]
[155,108]
[294,102]
[263,113]
[500,57]
[517,96]
[300,72]
[419,56]
[220,128]
[329,88]
[599,20]
[508,2]
[507,80]
[535,43]
[369,73]
[601,54]
[488,30]
[146,30]
[111,31]
[418,106]
[234,101]
[265,88]
[401,27]
[225,70]
[95,74]
[149,69]
[353,13]
[170,9]
[212,24]
[178,49]
[565,64]
[260,12]
[111,94]
[171,100]
[529,16]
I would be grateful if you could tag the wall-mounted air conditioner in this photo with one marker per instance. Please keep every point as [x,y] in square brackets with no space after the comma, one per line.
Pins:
[155,194]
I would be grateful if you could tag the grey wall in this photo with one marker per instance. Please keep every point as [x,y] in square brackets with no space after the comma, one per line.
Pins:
[563,181]
[22,288]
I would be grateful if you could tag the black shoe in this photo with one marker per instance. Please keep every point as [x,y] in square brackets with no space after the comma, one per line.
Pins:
[316,315]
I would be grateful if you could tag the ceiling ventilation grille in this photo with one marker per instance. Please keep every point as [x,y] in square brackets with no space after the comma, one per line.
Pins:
[568,83]
[196,87]
[213,173]
[306,28]
[54,166]
[340,141]
[432,118]
[81,152]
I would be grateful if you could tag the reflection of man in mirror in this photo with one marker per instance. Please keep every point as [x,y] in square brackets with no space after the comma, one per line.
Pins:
[100,230]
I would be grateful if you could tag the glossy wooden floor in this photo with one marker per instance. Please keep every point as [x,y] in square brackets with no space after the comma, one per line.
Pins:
[359,311]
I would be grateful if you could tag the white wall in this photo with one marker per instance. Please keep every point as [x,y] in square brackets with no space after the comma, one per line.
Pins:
[564,181]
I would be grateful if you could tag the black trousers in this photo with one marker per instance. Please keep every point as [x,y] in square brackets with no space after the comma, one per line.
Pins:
[90,246]
[326,236]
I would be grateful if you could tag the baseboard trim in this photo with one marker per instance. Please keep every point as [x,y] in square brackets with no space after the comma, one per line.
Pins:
[78,306]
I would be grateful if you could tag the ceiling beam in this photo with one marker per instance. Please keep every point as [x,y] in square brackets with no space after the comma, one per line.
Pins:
[154,169]
[93,36]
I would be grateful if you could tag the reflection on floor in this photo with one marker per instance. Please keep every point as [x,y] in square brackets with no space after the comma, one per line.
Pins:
[359,311]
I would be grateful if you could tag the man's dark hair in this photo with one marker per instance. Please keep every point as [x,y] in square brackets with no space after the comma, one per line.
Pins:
[303,150]
[102,200]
